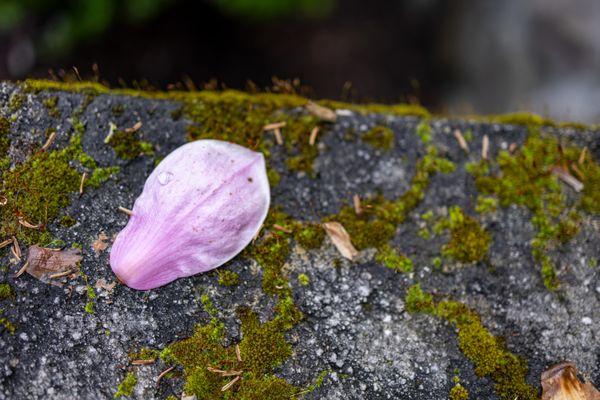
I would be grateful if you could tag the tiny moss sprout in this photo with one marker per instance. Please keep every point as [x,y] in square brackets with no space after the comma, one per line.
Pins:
[228,278]
[469,242]
[126,386]
[380,137]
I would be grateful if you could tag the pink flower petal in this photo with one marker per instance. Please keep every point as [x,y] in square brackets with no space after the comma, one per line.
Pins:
[200,207]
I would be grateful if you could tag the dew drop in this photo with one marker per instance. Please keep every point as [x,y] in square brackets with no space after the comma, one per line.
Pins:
[164,177]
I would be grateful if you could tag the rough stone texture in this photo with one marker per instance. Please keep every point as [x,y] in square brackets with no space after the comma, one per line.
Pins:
[355,322]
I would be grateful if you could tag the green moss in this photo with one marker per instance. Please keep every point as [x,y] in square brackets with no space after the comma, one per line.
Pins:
[118,109]
[67,221]
[6,291]
[590,195]
[51,104]
[4,140]
[488,353]
[6,324]
[36,86]
[486,204]
[458,391]
[16,101]
[526,178]
[127,145]
[376,225]
[469,242]
[271,254]
[424,132]
[101,175]
[262,348]
[126,386]
[418,301]
[273,176]
[228,278]
[391,259]
[308,235]
[144,354]
[380,137]
[303,279]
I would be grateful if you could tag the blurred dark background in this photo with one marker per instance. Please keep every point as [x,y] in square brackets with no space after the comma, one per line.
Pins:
[460,56]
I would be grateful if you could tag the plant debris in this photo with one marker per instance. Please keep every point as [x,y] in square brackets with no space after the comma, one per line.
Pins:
[102,284]
[49,142]
[47,264]
[485,147]
[323,113]
[276,128]
[125,210]
[313,136]
[136,127]
[461,140]
[567,178]
[100,244]
[341,239]
[560,382]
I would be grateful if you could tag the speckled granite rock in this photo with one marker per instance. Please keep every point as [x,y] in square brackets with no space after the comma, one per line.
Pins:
[355,320]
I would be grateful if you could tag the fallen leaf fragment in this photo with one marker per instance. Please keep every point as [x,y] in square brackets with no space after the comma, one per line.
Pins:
[568,179]
[100,244]
[323,113]
[560,382]
[136,127]
[102,284]
[340,239]
[44,264]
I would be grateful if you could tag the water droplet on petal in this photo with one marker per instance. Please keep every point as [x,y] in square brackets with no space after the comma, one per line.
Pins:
[164,177]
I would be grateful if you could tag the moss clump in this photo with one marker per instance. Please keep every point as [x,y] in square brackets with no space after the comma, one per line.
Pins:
[469,242]
[418,301]
[526,178]
[376,225]
[101,175]
[590,195]
[126,386]
[4,132]
[424,132]
[486,204]
[303,279]
[51,104]
[15,102]
[144,354]
[127,145]
[262,348]
[391,259]
[458,391]
[36,86]
[380,137]
[309,235]
[486,351]
[6,324]
[6,291]
[228,278]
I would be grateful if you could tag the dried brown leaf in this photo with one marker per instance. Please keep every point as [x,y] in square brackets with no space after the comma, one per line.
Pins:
[323,113]
[43,263]
[560,382]
[341,239]
[100,244]
[102,284]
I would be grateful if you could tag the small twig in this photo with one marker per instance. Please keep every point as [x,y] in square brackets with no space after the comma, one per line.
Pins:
[162,374]
[111,131]
[136,127]
[81,183]
[22,270]
[60,274]
[461,140]
[278,137]
[49,141]
[232,373]
[216,370]
[273,126]
[5,243]
[230,384]
[357,207]
[323,113]
[27,224]
[238,353]
[313,136]
[126,211]
[577,171]
[568,179]
[281,228]
[16,249]
[485,146]
[143,362]
[582,155]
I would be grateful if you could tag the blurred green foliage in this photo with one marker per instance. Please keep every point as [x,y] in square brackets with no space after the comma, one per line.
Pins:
[68,22]
[65,23]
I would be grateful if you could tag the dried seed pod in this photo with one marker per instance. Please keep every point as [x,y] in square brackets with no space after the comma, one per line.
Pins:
[199,208]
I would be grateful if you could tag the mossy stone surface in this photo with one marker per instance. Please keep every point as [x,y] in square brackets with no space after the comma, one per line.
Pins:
[353,330]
